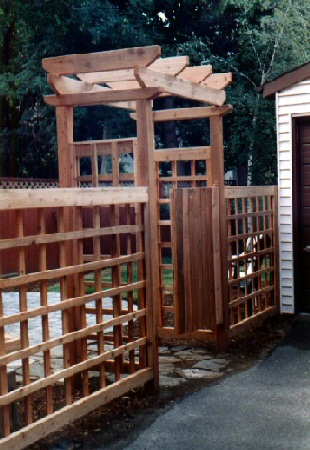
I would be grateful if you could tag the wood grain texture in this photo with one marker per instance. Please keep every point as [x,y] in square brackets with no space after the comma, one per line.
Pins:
[49,424]
[95,62]
[194,263]
[98,98]
[36,198]
[182,88]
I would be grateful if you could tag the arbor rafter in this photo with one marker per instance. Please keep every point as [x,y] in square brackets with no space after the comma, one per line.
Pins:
[120,77]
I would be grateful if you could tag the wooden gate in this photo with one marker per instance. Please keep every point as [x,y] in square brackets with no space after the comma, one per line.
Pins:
[197,250]
[208,293]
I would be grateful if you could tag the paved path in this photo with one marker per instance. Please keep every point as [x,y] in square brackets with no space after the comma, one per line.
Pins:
[11,306]
[266,407]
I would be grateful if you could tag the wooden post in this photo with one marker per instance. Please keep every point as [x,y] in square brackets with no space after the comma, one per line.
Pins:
[217,179]
[64,120]
[145,176]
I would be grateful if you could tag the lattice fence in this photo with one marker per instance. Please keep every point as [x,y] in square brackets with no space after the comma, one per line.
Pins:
[252,254]
[27,183]
[86,343]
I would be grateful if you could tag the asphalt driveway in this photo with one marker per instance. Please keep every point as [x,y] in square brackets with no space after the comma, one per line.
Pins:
[265,407]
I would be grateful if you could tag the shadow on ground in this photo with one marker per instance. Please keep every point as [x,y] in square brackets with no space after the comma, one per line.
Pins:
[120,423]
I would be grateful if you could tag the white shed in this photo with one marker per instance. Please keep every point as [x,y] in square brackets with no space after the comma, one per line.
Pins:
[292,93]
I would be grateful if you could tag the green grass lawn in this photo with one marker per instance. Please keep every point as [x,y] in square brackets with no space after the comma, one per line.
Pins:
[107,276]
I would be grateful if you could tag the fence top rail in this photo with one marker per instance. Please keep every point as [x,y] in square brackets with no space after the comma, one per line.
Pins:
[106,141]
[249,191]
[44,198]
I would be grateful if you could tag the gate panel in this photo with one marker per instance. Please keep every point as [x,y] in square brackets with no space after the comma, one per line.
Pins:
[171,175]
[194,214]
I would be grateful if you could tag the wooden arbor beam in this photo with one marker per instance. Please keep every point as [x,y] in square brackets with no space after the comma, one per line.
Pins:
[99,98]
[179,87]
[172,66]
[196,74]
[96,62]
[65,85]
[218,80]
[199,112]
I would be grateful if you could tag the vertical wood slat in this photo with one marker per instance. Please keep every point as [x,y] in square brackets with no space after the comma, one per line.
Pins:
[130,295]
[196,270]
[116,281]
[115,164]
[80,312]
[4,386]
[67,348]
[217,257]
[23,306]
[116,271]
[77,165]
[140,243]
[98,288]
[94,165]
[274,206]
[177,230]
[187,262]
[45,319]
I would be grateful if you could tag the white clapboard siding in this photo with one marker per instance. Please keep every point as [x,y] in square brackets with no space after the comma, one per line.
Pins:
[290,102]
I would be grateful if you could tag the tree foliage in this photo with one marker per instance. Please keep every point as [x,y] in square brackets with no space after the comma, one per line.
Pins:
[256,40]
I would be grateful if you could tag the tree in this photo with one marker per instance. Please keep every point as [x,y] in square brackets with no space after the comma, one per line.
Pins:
[28,32]
[256,39]
[268,36]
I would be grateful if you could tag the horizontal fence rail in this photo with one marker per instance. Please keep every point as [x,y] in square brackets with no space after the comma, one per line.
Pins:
[72,337]
[252,254]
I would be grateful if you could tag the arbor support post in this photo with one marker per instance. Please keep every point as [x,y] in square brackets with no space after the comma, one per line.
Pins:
[218,179]
[146,176]
[71,319]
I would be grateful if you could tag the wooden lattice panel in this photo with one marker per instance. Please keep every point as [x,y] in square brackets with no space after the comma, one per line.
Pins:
[252,250]
[104,162]
[99,337]
[26,183]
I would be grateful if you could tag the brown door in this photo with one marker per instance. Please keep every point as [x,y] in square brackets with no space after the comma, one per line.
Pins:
[301,202]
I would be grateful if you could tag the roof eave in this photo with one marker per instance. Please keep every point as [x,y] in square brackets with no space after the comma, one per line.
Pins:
[286,80]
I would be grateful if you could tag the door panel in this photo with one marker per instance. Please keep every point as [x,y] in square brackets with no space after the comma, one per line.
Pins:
[302,186]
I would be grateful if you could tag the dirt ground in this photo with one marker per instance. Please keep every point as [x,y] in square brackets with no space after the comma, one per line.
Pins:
[117,423]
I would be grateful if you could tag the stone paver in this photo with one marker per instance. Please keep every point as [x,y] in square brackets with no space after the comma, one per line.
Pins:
[198,373]
[209,364]
[177,364]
